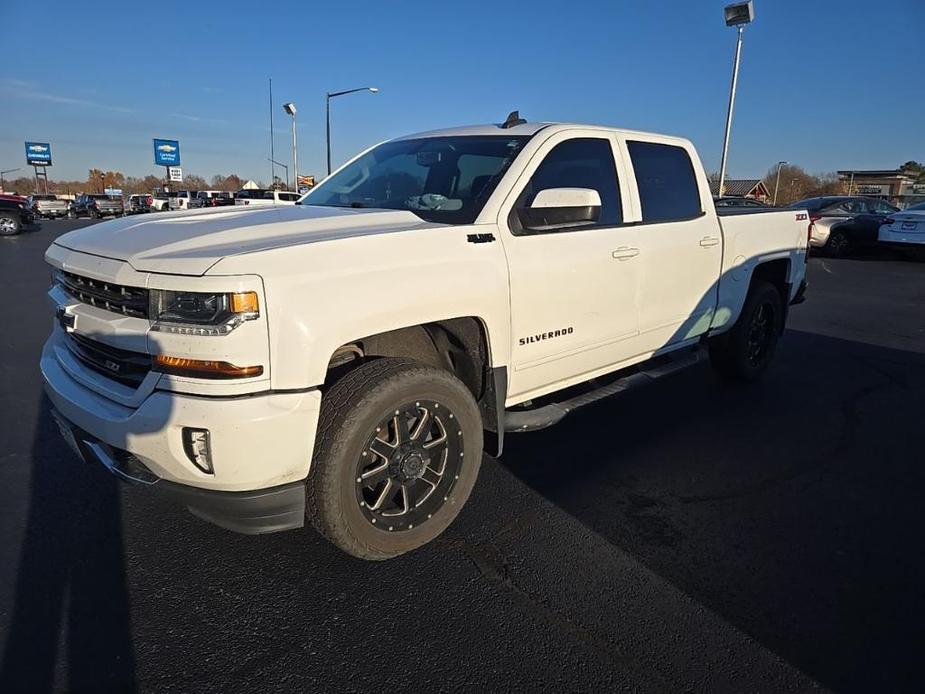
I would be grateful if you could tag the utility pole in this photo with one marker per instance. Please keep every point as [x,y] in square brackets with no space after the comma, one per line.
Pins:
[272,153]
[732,100]
[777,183]
[291,110]
[736,15]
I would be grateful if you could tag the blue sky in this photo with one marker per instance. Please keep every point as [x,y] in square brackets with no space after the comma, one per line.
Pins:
[824,84]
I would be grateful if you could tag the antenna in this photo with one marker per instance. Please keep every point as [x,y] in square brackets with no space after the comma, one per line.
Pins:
[513,118]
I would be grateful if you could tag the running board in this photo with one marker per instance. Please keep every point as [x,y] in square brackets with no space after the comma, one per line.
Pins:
[542,417]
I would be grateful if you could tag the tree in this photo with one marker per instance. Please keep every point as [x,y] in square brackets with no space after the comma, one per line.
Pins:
[796,184]
[231,182]
[194,182]
[913,168]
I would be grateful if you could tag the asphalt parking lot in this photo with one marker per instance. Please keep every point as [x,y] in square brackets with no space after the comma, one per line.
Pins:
[690,536]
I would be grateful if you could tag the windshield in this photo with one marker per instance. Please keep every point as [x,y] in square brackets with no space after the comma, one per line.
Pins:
[440,179]
[920,206]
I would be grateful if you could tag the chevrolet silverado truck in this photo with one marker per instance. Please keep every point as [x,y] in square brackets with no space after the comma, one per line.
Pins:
[48,206]
[344,361]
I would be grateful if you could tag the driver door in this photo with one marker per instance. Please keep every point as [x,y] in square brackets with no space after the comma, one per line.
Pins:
[572,291]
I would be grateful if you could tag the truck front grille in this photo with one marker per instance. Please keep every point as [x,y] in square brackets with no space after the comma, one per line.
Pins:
[126,367]
[127,301]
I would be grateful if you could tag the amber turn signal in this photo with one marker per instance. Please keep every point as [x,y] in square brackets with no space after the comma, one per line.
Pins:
[198,368]
[244,302]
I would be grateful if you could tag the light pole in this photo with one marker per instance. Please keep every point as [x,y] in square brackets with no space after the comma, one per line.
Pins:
[777,184]
[279,163]
[737,15]
[6,171]
[327,113]
[290,109]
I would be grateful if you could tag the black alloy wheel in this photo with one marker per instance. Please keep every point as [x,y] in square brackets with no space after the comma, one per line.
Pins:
[744,351]
[409,466]
[397,452]
[838,244]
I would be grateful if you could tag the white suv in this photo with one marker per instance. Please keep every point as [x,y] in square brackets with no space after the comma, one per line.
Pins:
[263,197]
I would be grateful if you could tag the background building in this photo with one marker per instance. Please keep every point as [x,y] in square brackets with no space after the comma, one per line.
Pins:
[892,185]
[742,188]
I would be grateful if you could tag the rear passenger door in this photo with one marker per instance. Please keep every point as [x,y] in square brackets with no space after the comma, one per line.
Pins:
[680,244]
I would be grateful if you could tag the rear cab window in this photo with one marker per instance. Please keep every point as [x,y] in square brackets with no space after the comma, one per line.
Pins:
[667,183]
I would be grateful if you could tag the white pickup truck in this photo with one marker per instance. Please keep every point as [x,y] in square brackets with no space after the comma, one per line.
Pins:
[341,360]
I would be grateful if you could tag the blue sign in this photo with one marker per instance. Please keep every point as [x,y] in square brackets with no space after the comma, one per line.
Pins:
[167,152]
[38,154]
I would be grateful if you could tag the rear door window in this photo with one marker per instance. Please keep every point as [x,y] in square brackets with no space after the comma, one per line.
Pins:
[666,181]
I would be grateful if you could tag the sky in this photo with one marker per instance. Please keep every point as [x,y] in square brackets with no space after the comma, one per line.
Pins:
[823,84]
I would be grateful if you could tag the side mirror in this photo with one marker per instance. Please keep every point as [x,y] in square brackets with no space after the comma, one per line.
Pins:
[561,208]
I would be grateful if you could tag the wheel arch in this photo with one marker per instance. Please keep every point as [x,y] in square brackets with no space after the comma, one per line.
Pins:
[777,273]
[459,345]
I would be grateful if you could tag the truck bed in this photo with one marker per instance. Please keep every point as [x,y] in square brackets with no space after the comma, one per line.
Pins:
[757,236]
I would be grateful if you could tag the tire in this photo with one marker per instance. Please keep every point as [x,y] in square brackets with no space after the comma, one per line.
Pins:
[744,352]
[9,224]
[357,416]
[838,244]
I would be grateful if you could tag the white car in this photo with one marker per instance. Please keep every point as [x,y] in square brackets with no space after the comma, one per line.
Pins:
[259,197]
[341,362]
[904,229]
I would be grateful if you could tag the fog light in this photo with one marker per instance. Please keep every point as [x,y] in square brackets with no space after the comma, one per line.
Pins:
[198,449]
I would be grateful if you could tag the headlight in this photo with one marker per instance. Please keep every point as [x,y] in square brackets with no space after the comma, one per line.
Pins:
[197,313]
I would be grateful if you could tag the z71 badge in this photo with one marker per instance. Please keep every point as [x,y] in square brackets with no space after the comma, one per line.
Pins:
[539,337]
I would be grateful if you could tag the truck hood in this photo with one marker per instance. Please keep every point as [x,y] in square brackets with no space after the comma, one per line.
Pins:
[190,242]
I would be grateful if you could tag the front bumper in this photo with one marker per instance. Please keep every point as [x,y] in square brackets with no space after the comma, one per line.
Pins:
[251,513]
[261,445]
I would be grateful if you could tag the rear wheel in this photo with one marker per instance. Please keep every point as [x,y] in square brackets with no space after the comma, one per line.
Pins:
[398,451]
[838,244]
[745,351]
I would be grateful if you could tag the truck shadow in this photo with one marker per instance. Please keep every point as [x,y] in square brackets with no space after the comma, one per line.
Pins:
[71,592]
[792,508]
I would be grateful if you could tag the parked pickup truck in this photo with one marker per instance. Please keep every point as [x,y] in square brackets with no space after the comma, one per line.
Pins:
[343,360]
[96,206]
[48,205]
[212,198]
[180,200]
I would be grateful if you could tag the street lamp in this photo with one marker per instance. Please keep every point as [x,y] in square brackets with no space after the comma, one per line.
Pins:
[737,15]
[327,109]
[777,184]
[290,109]
[279,163]
[6,171]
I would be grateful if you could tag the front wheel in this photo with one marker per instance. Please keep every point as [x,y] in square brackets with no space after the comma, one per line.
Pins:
[9,224]
[745,351]
[398,450]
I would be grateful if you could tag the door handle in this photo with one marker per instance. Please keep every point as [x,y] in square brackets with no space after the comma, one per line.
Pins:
[625,253]
[709,241]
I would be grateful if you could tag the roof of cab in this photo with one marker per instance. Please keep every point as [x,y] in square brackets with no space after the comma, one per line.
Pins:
[526,129]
